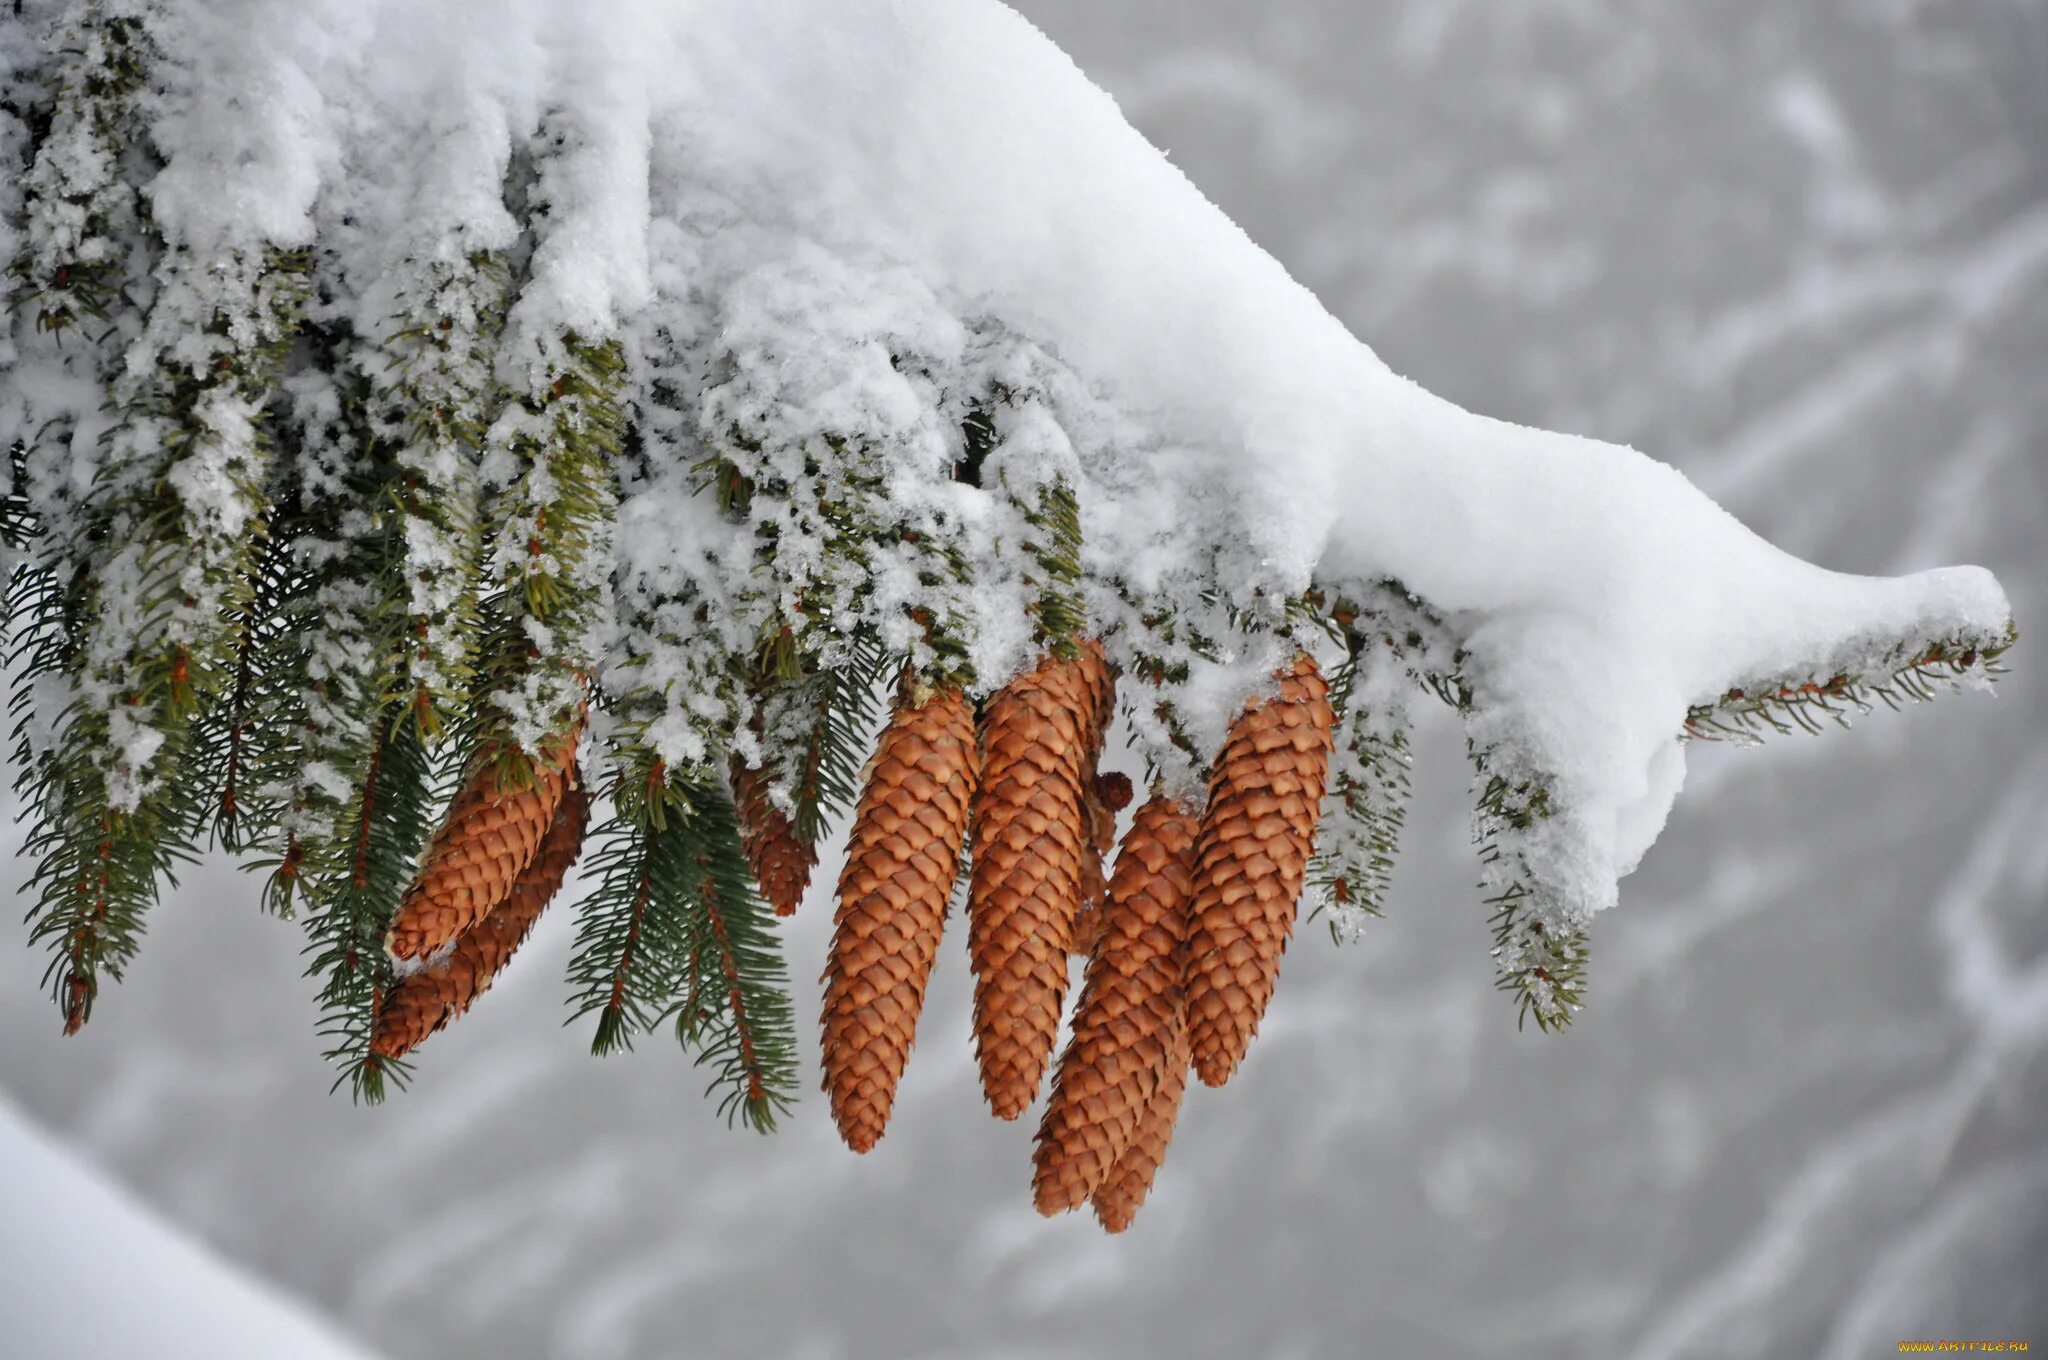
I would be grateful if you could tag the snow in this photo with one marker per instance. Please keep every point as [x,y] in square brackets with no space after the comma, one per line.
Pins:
[822,229]
[87,1272]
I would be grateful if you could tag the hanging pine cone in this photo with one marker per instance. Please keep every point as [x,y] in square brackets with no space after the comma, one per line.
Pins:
[1130,1010]
[1122,1193]
[492,831]
[781,862]
[902,857]
[421,1003]
[1031,828]
[1265,795]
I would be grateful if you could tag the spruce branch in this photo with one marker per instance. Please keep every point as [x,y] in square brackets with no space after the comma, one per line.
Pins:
[1367,802]
[306,546]
[674,929]
[629,961]
[552,502]
[835,712]
[837,547]
[239,741]
[735,1008]
[349,888]
[145,632]
[434,398]
[337,633]
[1539,946]
[82,212]
[1003,450]
[1912,670]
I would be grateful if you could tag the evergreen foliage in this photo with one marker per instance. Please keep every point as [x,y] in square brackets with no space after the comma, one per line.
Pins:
[814,736]
[352,887]
[553,499]
[674,927]
[323,539]
[735,1011]
[434,395]
[630,964]
[1368,799]
[75,258]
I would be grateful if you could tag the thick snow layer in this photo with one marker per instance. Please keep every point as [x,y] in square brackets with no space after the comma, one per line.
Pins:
[88,1272]
[845,217]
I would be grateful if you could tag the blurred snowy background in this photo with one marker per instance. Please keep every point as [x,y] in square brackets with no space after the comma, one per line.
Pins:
[1801,251]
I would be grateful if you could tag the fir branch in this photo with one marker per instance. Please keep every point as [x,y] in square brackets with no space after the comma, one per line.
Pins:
[1909,671]
[843,705]
[1366,806]
[675,928]
[81,212]
[238,741]
[628,965]
[1539,951]
[352,885]
[735,1011]
[433,400]
[553,506]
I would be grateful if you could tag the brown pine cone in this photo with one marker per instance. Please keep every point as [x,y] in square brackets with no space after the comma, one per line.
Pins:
[1265,796]
[901,859]
[1122,1193]
[1030,833]
[1129,1012]
[781,862]
[490,834]
[420,1003]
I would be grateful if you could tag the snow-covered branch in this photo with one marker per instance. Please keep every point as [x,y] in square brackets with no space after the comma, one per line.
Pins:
[892,335]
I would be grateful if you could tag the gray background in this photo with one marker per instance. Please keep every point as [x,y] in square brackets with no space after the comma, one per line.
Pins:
[1798,249]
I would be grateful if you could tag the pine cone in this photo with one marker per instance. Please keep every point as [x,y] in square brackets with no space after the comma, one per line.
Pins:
[902,857]
[421,1003]
[1030,832]
[781,862]
[491,833]
[1123,1192]
[1130,1010]
[1265,796]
